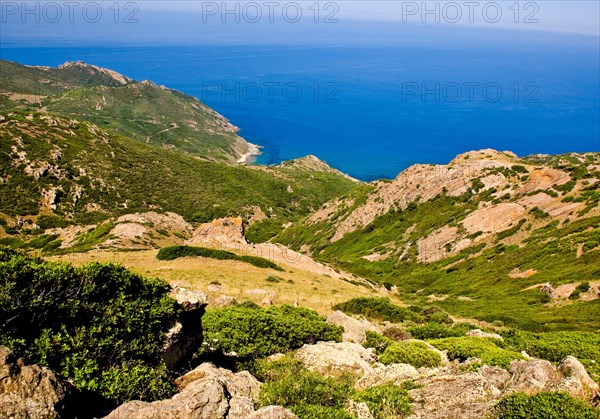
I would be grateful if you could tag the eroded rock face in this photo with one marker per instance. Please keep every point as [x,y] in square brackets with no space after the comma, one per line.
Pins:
[467,395]
[206,392]
[354,329]
[577,382]
[185,336]
[273,412]
[218,232]
[382,374]
[30,391]
[331,358]
[481,334]
[534,375]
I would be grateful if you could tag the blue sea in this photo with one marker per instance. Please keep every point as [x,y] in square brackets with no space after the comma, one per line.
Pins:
[373,110]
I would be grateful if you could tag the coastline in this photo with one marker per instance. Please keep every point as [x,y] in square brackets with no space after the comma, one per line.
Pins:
[250,156]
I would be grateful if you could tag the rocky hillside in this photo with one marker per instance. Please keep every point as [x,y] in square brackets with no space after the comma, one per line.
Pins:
[483,230]
[58,171]
[139,110]
[159,353]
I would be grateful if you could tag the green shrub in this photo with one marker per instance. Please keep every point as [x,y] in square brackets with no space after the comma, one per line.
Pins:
[259,262]
[438,331]
[289,384]
[42,241]
[99,325]
[544,406]
[396,333]
[555,346]
[414,353]
[387,401]
[174,252]
[274,279]
[584,287]
[519,168]
[51,221]
[377,308]
[255,333]
[377,342]
[466,347]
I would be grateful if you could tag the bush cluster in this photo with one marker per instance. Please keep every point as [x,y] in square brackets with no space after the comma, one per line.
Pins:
[555,346]
[544,406]
[309,395]
[414,353]
[376,341]
[485,349]
[174,252]
[378,308]
[99,325]
[253,332]
[439,331]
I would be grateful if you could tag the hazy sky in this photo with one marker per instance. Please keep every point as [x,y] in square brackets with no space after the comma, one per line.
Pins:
[548,15]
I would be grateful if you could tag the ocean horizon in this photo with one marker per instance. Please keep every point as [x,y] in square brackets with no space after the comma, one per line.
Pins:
[373,111]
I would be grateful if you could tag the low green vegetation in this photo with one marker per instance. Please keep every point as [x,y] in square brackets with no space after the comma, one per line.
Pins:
[386,401]
[465,347]
[415,353]
[175,252]
[376,341]
[378,308]
[555,346]
[98,325]
[252,332]
[544,406]
[310,396]
[438,330]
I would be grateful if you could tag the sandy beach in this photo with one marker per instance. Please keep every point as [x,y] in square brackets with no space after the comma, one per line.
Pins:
[250,155]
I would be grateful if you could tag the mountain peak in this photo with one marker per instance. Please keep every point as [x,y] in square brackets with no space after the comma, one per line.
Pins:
[95,71]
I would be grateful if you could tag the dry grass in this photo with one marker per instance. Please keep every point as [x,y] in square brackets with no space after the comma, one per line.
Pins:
[236,279]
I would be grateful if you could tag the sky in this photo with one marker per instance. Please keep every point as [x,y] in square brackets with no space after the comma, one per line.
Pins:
[154,22]
[574,16]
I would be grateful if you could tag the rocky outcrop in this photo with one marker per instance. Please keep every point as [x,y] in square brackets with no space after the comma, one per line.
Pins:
[185,336]
[207,392]
[30,391]
[354,329]
[535,375]
[467,395]
[481,334]
[219,232]
[272,412]
[532,376]
[384,374]
[332,359]
[576,380]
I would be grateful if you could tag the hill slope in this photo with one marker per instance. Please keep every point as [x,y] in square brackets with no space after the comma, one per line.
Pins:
[140,110]
[54,165]
[481,236]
